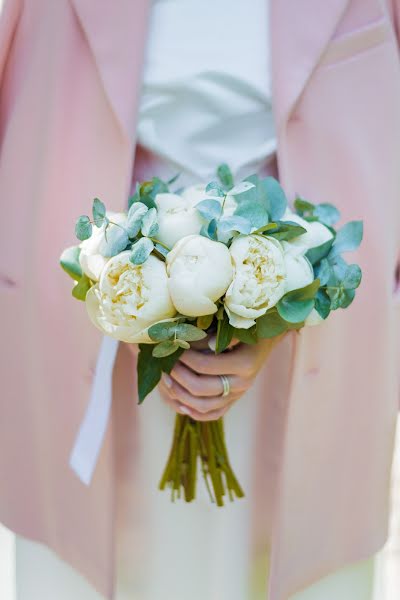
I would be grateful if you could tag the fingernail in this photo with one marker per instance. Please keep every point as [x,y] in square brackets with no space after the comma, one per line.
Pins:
[212,343]
[185,410]
[167,380]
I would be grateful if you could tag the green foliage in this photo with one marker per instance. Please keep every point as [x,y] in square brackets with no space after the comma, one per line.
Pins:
[229,225]
[283,230]
[276,201]
[150,369]
[165,348]
[149,223]
[246,336]
[316,254]
[209,209]
[214,189]
[115,240]
[134,219]
[225,176]
[303,207]
[141,251]
[271,324]
[348,238]
[83,228]
[81,288]
[295,306]
[69,261]
[326,214]
[175,330]
[224,333]
[99,212]
[148,190]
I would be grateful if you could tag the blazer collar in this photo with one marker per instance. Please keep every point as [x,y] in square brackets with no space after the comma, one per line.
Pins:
[117,33]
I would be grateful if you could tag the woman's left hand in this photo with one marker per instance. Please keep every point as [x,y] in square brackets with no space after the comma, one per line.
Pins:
[195,387]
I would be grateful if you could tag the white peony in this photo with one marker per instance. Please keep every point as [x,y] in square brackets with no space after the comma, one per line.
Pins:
[299,271]
[177,218]
[200,271]
[316,233]
[90,259]
[129,298]
[259,279]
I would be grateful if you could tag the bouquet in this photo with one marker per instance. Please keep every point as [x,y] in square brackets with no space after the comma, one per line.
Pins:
[223,259]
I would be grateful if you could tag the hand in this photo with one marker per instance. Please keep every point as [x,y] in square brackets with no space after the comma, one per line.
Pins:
[195,388]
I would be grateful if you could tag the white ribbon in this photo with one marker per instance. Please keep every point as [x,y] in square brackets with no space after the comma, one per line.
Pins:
[91,433]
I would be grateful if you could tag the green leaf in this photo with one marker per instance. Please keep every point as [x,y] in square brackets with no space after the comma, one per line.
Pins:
[83,228]
[352,277]
[141,251]
[323,271]
[225,176]
[134,220]
[271,324]
[348,238]
[115,240]
[209,209]
[327,213]
[348,297]
[149,369]
[303,206]
[285,230]
[190,333]
[162,331]
[242,188]
[246,336]
[322,303]
[215,189]
[99,212]
[69,261]
[165,348]
[224,334]
[81,288]
[296,305]
[149,223]
[149,189]
[234,223]
[212,229]
[173,179]
[316,254]
[275,197]
[253,212]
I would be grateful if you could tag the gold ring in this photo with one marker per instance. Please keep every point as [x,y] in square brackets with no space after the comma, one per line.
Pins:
[225,385]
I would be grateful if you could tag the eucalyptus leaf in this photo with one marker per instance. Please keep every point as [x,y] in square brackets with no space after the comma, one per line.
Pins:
[83,228]
[234,223]
[271,324]
[141,251]
[209,209]
[183,344]
[322,303]
[212,229]
[295,306]
[327,213]
[352,277]
[317,253]
[302,206]
[99,212]
[275,197]
[190,333]
[205,321]
[253,212]
[173,179]
[114,242]
[225,176]
[215,189]
[240,188]
[323,271]
[348,238]
[134,220]
[81,288]
[149,223]
[285,230]
[224,334]
[69,261]
[246,336]
[165,348]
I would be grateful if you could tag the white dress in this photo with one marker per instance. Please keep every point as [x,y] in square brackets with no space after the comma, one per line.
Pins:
[206,98]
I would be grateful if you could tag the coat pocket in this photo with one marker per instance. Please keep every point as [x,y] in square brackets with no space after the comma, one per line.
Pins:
[352,44]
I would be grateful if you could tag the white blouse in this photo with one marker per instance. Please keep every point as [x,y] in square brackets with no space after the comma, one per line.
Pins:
[206,95]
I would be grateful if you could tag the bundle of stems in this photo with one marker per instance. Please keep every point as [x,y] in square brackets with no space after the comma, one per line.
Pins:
[194,440]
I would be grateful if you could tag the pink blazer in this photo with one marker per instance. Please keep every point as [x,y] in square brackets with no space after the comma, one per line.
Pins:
[70,76]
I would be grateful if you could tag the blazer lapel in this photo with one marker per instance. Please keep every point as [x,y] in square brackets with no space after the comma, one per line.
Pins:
[116,33]
[300,30]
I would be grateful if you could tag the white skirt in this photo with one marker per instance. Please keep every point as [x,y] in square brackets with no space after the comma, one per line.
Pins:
[190,551]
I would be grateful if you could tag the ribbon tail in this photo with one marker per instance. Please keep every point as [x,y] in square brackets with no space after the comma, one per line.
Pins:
[89,440]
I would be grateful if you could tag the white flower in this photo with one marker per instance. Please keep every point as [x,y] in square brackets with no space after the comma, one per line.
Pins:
[177,218]
[129,298]
[90,259]
[200,271]
[299,271]
[316,233]
[259,279]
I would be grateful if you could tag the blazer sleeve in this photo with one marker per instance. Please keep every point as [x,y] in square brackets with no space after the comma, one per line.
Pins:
[394,8]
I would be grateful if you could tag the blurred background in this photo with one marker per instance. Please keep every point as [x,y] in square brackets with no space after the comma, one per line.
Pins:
[387,576]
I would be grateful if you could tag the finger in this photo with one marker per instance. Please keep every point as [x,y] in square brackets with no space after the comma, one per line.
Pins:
[200,405]
[236,361]
[183,409]
[200,385]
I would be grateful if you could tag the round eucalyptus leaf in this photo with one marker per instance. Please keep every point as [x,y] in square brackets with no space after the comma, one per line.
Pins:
[83,228]
[141,251]
[165,348]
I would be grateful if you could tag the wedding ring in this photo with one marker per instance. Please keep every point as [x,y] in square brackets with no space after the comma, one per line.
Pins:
[225,385]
